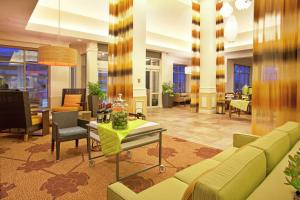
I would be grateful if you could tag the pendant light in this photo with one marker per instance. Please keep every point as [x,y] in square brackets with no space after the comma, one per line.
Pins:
[243,4]
[57,55]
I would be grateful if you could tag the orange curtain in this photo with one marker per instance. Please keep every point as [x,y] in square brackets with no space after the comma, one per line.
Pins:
[220,72]
[195,82]
[120,48]
[276,67]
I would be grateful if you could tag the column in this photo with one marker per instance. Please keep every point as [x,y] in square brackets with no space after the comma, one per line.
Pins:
[91,62]
[139,103]
[208,57]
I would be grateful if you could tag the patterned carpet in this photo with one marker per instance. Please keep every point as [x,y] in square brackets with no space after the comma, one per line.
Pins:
[29,171]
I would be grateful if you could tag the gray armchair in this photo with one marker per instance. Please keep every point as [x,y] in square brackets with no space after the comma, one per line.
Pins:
[65,128]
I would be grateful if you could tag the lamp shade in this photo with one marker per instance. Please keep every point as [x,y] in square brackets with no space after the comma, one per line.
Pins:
[57,56]
[226,10]
[231,29]
[243,4]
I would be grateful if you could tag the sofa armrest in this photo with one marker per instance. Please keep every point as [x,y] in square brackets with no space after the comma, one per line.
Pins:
[240,139]
[118,191]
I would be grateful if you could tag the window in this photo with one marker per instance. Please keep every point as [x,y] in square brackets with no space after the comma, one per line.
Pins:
[19,70]
[179,78]
[102,78]
[241,77]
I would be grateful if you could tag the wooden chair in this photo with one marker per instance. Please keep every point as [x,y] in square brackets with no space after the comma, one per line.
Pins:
[65,128]
[15,113]
[73,99]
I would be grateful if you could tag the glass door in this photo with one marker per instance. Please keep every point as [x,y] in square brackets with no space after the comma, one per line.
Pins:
[152,87]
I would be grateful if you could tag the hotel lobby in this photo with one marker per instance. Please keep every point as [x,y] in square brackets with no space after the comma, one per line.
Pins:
[150,99]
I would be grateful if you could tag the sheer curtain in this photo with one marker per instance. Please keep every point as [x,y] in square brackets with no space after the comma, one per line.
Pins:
[120,49]
[276,69]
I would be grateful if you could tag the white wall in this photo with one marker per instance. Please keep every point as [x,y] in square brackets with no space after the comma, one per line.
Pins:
[60,78]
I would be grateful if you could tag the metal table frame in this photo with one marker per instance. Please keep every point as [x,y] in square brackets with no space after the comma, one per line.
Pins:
[132,141]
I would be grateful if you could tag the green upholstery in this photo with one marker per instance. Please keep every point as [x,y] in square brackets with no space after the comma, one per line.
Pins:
[275,181]
[235,178]
[240,139]
[234,174]
[293,129]
[225,154]
[189,174]
[170,189]
[275,145]
[118,191]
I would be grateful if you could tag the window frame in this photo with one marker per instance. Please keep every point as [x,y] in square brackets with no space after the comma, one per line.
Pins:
[182,88]
[239,76]
[25,63]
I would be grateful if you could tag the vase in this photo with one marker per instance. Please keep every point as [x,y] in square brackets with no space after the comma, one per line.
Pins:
[297,195]
[93,103]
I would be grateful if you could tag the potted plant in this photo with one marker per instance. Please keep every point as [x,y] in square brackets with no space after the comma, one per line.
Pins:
[167,95]
[292,173]
[95,96]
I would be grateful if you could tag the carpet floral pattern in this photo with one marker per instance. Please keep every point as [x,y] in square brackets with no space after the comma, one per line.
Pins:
[29,170]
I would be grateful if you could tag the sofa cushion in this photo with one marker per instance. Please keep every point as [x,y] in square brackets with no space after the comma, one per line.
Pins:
[293,129]
[35,120]
[275,182]
[69,132]
[235,178]
[225,154]
[65,109]
[72,100]
[275,145]
[189,174]
[170,189]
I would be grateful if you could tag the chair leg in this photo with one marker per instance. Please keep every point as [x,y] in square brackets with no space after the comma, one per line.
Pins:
[57,150]
[52,145]
[76,142]
[26,135]
[88,144]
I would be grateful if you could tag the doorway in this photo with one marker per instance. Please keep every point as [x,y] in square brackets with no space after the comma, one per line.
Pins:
[152,87]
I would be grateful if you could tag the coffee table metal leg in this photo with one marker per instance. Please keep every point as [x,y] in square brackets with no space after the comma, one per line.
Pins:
[117,166]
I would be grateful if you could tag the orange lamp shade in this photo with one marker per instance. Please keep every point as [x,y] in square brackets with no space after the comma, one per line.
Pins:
[57,56]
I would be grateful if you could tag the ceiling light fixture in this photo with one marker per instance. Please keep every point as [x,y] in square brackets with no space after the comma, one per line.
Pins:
[57,55]
[226,10]
[243,4]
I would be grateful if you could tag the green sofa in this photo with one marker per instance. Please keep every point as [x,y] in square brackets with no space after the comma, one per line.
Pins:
[251,169]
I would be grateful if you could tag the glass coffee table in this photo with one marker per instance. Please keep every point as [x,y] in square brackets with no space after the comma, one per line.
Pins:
[143,135]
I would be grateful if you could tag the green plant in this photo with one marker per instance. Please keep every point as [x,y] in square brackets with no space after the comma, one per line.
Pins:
[292,172]
[167,88]
[95,90]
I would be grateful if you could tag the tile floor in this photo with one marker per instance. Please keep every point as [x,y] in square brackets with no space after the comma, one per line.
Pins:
[214,130]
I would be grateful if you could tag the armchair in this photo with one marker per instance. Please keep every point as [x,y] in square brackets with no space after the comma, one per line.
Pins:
[15,113]
[73,99]
[65,128]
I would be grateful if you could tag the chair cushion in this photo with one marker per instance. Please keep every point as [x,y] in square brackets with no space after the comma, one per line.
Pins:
[170,189]
[65,109]
[189,174]
[293,129]
[225,154]
[72,100]
[275,145]
[36,119]
[73,131]
[235,178]
[275,181]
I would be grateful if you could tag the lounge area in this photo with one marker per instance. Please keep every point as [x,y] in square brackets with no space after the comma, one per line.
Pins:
[150,100]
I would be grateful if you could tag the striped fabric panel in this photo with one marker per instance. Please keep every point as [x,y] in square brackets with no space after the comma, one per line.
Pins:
[195,82]
[276,64]
[120,48]
[220,68]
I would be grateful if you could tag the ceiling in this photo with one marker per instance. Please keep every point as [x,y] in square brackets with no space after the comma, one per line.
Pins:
[168,22]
